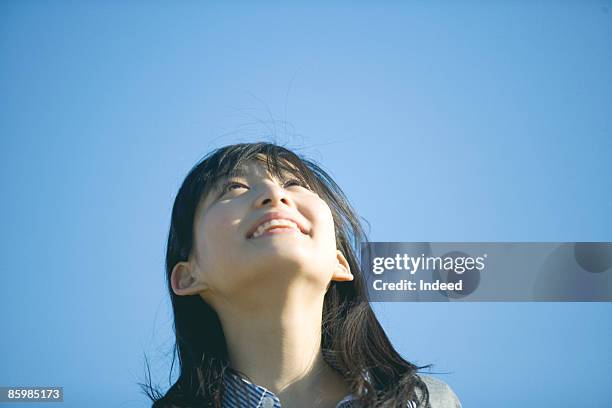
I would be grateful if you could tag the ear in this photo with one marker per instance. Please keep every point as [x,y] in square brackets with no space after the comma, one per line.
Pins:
[342,270]
[184,280]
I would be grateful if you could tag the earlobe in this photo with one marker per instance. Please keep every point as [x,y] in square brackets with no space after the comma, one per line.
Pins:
[184,281]
[342,271]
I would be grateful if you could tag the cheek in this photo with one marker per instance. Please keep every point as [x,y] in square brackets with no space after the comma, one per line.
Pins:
[214,233]
[220,220]
[218,224]
[325,232]
[330,228]
[217,252]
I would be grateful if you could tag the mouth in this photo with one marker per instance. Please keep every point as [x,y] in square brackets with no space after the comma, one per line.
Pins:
[276,226]
[274,223]
[276,231]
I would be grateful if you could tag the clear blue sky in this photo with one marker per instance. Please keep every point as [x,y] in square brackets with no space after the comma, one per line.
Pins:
[442,122]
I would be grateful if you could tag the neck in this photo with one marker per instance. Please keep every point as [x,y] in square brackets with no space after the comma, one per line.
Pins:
[279,347]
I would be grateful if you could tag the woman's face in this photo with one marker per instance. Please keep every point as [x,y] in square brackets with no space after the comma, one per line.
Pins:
[228,261]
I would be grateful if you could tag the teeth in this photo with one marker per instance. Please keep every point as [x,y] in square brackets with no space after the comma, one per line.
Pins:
[272,223]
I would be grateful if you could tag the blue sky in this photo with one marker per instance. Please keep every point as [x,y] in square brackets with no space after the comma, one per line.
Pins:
[441,121]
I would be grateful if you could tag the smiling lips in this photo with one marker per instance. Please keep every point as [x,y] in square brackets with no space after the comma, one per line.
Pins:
[277,225]
[276,222]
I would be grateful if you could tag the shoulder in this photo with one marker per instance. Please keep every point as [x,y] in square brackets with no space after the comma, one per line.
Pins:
[440,393]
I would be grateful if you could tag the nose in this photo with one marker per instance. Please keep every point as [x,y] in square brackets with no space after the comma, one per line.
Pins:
[273,195]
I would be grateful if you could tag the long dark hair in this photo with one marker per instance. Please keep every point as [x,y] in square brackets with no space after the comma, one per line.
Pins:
[351,333]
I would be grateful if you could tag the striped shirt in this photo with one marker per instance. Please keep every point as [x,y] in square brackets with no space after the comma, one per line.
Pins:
[239,392]
[242,393]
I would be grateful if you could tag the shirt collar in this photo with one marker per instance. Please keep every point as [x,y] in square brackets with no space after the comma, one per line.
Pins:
[240,392]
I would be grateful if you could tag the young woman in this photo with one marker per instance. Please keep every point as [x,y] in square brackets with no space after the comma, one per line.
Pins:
[270,307]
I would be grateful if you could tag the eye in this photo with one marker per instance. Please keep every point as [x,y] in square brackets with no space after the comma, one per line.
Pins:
[295,182]
[230,186]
